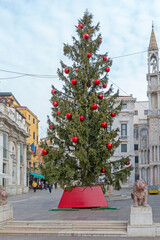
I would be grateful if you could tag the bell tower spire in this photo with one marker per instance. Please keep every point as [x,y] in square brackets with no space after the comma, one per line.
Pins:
[153,53]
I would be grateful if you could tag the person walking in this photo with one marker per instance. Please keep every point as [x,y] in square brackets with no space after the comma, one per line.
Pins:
[40,185]
[34,185]
[50,187]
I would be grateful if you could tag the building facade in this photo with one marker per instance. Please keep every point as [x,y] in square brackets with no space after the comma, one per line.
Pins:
[13,147]
[31,122]
[149,131]
[125,122]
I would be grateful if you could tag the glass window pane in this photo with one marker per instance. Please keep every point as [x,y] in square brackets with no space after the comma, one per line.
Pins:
[123,147]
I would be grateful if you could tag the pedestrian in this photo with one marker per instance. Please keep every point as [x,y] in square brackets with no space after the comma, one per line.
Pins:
[55,185]
[34,185]
[40,185]
[50,187]
[46,185]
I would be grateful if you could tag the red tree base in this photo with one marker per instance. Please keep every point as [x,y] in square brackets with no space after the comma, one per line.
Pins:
[83,197]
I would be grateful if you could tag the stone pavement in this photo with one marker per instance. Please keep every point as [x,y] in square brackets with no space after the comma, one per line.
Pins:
[35,206]
[72,238]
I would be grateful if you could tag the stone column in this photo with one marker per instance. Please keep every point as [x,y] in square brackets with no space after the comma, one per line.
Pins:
[10,162]
[140,175]
[151,175]
[1,155]
[149,98]
[157,153]
[24,164]
[18,164]
[151,160]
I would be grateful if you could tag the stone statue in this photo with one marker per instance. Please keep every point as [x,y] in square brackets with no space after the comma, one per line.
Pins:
[140,193]
[3,196]
[154,66]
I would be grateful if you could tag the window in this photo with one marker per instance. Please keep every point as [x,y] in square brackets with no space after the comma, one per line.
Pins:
[4,145]
[29,164]
[21,152]
[145,112]
[29,117]
[109,127]
[124,106]
[136,133]
[136,159]
[33,120]
[123,147]
[136,112]
[123,129]
[34,164]
[135,146]
[33,135]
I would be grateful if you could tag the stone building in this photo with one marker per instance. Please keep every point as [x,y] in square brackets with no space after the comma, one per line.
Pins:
[13,144]
[125,122]
[149,131]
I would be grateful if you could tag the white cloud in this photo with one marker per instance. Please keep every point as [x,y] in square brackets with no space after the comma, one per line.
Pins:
[32,34]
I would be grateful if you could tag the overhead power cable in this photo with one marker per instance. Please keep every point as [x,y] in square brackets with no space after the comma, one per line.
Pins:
[55,76]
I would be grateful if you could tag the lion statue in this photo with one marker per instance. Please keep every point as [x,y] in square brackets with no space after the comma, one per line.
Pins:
[3,196]
[140,193]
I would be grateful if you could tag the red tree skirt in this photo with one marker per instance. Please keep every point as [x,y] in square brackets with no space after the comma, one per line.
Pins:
[83,197]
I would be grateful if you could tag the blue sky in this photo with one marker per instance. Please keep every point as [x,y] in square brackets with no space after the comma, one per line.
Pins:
[32,34]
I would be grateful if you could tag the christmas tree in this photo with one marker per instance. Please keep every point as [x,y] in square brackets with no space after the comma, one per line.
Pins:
[81,142]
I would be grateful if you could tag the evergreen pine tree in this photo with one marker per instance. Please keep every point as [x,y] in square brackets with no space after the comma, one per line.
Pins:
[81,144]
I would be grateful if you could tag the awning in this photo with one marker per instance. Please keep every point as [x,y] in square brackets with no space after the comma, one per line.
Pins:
[36,175]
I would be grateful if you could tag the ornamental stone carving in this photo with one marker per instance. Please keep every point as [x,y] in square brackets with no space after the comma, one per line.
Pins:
[3,196]
[140,193]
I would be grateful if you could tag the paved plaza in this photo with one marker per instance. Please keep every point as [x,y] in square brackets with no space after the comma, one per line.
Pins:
[36,206]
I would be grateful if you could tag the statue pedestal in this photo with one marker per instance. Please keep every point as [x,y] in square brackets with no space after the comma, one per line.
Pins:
[141,222]
[6,212]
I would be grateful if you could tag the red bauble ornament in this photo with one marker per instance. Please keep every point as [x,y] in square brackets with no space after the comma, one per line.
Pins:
[69,115]
[55,104]
[74,81]
[109,145]
[89,85]
[104,85]
[104,58]
[127,163]
[81,118]
[89,54]
[51,127]
[107,69]
[53,92]
[94,106]
[103,170]
[44,152]
[77,69]
[113,114]
[97,81]
[100,40]
[86,36]
[75,139]
[104,124]
[58,113]
[80,26]
[66,70]
[100,96]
